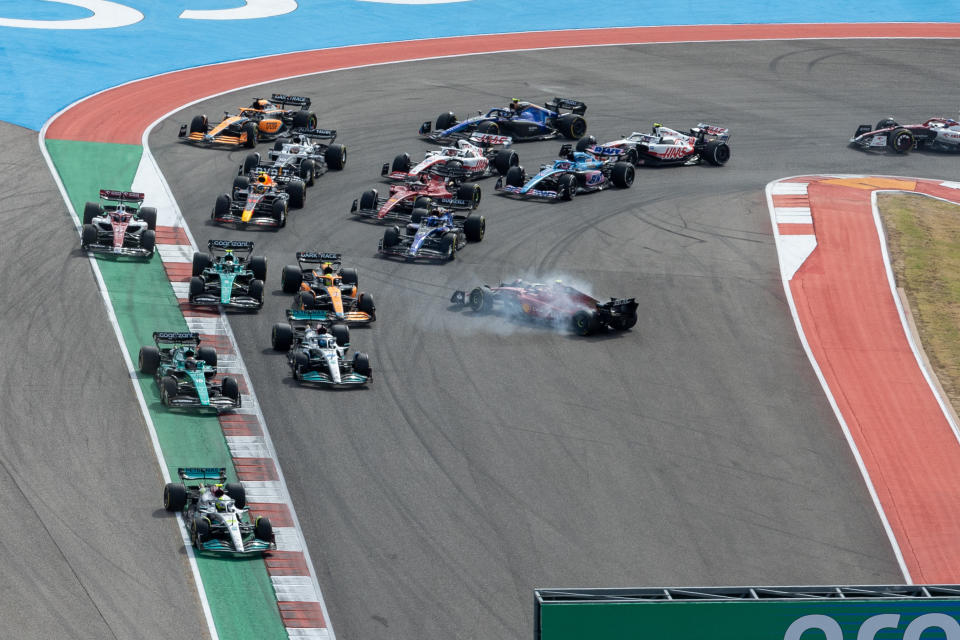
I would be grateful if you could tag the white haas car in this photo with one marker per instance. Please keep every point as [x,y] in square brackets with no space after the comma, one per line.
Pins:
[669,147]
[480,156]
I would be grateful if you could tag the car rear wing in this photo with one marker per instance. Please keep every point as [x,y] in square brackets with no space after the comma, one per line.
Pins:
[244,246]
[202,473]
[283,100]
[176,337]
[573,106]
[319,134]
[121,196]
[721,133]
[620,305]
[318,257]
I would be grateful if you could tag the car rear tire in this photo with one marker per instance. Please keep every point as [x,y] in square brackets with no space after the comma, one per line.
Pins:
[568,186]
[516,177]
[446,120]
[474,227]
[625,322]
[900,140]
[258,265]
[368,200]
[250,129]
[349,276]
[208,355]
[489,127]
[504,159]
[149,359]
[230,389]
[572,126]
[263,530]
[281,337]
[622,175]
[401,163]
[251,162]
[361,364]
[91,210]
[391,237]
[304,119]
[88,236]
[297,191]
[335,156]
[198,124]
[423,202]
[221,207]
[197,287]
[174,496]
[291,277]
[168,389]
[255,290]
[471,193]
[584,322]
[239,494]
[148,215]
[341,333]
[716,152]
[365,304]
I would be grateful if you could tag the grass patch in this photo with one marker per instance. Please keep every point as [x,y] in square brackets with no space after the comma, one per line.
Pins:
[923,237]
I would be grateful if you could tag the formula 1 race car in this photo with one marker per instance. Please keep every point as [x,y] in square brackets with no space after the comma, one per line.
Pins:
[317,354]
[118,225]
[185,372]
[556,303]
[229,276]
[477,157]
[216,514]
[262,202]
[412,194]
[321,283]
[262,120]
[435,235]
[668,147]
[575,172]
[309,153]
[520,120]
[935,134]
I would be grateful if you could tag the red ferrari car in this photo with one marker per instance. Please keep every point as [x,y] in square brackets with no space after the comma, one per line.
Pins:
[422,192]
[555,303]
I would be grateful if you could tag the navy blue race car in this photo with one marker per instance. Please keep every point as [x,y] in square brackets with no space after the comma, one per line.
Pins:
[593,169]
[435,235]
[520,120]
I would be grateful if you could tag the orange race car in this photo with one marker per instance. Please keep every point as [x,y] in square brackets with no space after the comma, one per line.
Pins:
[262,120]
[321,283]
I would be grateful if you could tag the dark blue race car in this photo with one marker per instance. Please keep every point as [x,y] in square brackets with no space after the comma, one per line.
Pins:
[520,120]
[593,169]
[435,235]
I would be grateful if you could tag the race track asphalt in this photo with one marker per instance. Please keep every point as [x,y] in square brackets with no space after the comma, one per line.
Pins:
[490,458]
[87,550]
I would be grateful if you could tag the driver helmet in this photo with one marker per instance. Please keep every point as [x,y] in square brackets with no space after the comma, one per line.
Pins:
[217,491]
[321,328]
[326,268]
[515,104]
[328,341]
[263,178]
[260,103]
[450,152]
[190,362]
[228,257]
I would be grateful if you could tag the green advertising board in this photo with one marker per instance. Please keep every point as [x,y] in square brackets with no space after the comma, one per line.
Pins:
[767,613]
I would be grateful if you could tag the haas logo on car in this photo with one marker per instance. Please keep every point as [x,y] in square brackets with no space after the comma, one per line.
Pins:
[673,152]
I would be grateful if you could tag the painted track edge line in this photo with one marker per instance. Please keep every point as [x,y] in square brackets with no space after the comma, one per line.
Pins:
[897,551]
[134,381]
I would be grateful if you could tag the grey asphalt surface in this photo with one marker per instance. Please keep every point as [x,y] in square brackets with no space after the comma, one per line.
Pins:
[86,549]
[490,458]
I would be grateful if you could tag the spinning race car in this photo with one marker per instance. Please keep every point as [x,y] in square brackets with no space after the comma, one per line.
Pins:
[262,202]
[262,120]
[668,147]
[520,120]
[436,235]
[471,159]
[118,225]
[575,172]
[185,372]
[555,303]
[935,134]
[318,354]
[321,283]
[421,193]
[215,512]
[228,276]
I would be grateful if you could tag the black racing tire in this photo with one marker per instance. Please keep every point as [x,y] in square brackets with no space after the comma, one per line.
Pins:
[197,287]
[418,214]
[258,265]
[503,159]
[423,202]
[255,290]
[250,128]
[208,355]
[148,241]
[149,359]
[221,207]
[305,119]
[622,175]
[278,145]
[625,322]
[91,210]
[168,389]
[281,337]
[280,212]
[174,496]
[308,172]
[368,200]
[361,364]
[489,126]
[148,215]
[239,494]
[300,362]
[886,123]
[471,193]
[401,163]
[572,126]
[900,140]
[198,124]
[474,227]
[336,156]
[365,304]
[455,167]
[291,277]
[716,152]
[631,156]
[448,245]
[481,300]
[263,530]
[446,120]
[241,183]
[199,530]
[349,276]
[200,262]
[516,177]
[585,143]
[391,237]
[251,162]
[297,191]
[88,236]
[230,388]
[584,322]
[305,300]
[567,184]
[341,333]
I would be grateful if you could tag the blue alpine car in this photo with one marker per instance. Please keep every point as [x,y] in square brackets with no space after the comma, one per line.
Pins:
[594,169]
[520,120]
